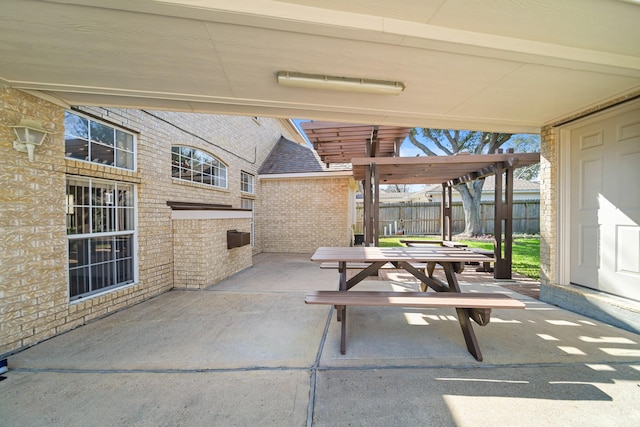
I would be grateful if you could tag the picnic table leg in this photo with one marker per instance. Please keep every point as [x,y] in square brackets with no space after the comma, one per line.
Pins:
[342,284]
[463,314]
[371,270]
[424,279]
[342,310]
[469,336]
[342,269]
[431,266]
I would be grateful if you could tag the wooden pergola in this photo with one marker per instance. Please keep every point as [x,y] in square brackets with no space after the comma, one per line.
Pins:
[339,142]
[448,171]
[373,152]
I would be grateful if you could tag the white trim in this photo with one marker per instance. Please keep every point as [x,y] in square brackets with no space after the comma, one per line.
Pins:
[102,293]
[210,214]
[297,134]
[317,175]
[47,97]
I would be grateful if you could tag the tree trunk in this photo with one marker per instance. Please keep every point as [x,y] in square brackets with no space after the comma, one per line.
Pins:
[471,194]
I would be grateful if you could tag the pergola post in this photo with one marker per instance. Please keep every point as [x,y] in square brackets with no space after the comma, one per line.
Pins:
[368,204]
[446,220]
[371,220]
[503,222]
[376,205]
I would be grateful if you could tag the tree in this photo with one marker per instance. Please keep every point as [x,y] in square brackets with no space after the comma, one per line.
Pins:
[397,188]
[451,142]
[527,144]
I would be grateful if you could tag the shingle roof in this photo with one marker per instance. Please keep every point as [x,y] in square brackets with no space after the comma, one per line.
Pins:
[290,157]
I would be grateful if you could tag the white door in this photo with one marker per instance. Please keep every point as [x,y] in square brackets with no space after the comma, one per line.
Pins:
[605,203]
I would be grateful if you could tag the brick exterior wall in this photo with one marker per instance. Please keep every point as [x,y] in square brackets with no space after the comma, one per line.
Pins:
[34,301]
[200,253]
[548,204]
[33,261]
[299,215]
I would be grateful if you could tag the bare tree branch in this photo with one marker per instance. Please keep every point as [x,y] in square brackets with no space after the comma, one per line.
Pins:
[434,137]
[420,145]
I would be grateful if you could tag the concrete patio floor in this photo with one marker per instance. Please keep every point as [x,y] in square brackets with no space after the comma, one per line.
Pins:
[248,352]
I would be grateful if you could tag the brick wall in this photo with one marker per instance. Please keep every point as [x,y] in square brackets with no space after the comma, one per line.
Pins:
[33,293]
[548,204]
[201,257]
[300,215]
[34,302]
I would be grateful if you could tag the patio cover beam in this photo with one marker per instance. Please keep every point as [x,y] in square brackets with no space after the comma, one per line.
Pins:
[439,169]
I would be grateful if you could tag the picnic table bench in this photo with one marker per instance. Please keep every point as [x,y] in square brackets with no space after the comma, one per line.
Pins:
[363,265]
[486,265]
[447,243]
[476,306]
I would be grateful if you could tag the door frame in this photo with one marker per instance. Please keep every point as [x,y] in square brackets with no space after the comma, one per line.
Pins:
[563,194]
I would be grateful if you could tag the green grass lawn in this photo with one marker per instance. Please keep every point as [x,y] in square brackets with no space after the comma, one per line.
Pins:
[526,252]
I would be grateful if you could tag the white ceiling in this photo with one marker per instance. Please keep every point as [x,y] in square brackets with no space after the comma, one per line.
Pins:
[502,65]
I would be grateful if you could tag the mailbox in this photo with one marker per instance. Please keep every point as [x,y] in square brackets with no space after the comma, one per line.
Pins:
[236,238]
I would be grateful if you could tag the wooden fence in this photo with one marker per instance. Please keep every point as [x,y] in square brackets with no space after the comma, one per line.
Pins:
[424,218]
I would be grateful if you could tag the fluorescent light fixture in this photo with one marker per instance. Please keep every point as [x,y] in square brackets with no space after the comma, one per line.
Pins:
[349,84]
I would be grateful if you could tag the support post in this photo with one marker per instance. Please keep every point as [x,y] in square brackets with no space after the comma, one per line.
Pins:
[376,205]
[508,224]
[446,221]
[503,223]
[368,205]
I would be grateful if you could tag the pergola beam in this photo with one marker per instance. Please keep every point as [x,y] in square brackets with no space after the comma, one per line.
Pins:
[339,142]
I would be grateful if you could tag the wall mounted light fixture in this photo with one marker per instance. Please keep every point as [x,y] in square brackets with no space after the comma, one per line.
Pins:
[349,84]
[30,134]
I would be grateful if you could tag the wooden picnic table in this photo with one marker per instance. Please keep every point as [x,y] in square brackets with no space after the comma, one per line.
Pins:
[477,308]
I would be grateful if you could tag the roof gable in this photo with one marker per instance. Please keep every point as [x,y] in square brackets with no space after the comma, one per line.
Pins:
[290,157]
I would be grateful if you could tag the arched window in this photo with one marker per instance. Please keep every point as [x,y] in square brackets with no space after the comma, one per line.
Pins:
[194,165]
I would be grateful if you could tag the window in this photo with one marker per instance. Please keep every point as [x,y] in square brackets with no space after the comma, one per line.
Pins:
[95,142]
[246,182]
[100,234]
[194,165]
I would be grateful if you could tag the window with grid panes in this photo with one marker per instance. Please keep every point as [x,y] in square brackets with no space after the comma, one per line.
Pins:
[246,182]
[96,142]
[194,165]
[101,235]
